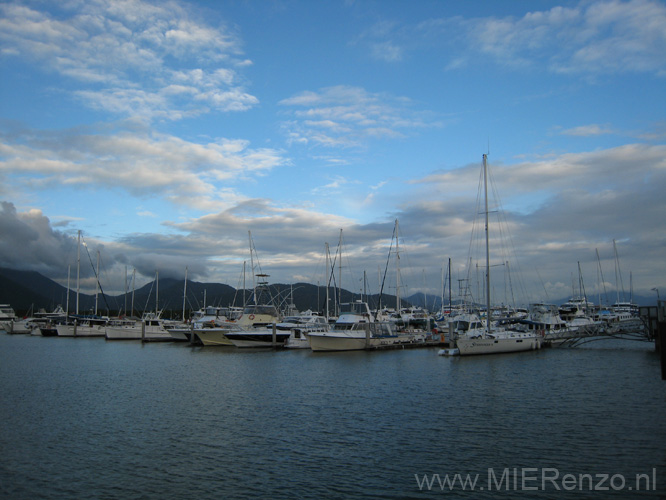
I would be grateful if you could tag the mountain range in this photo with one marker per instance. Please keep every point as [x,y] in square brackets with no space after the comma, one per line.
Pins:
[26,290]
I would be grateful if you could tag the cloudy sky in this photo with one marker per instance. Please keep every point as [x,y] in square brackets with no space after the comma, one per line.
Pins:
[167,131]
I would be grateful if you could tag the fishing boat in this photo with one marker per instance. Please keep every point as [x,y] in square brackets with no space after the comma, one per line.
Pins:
[493,340]
[207,323]
[255,328]
[252,329]
[257,337]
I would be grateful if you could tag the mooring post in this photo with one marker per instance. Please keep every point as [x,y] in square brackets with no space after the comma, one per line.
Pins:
[274,335]
[143,331]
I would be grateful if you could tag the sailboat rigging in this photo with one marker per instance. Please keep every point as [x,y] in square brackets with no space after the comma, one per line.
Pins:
[489,340]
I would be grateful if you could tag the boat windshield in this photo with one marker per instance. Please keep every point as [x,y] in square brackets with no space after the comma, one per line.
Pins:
[257,309]
[354,308]
[463,326]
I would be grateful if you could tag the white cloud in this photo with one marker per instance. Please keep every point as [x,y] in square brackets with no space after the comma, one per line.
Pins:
[585,201]
[588,130]
[589,38]
[109,49]
[346,116]
[142,163]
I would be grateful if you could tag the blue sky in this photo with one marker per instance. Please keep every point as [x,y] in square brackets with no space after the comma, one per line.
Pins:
[165,131]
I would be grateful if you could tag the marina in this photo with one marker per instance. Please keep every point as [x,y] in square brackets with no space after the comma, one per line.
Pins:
[332,250]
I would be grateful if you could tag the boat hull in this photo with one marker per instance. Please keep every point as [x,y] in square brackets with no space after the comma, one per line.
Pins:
[213,337]
[80,330]
[491,345]
[257,339]
[180,334]
[19,327]
[150,334]
[358,341]
[328,341]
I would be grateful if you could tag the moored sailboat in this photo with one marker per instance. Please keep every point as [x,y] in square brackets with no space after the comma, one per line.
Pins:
[493,340]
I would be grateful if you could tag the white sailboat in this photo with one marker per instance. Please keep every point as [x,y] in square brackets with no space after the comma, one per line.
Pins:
[151,327]
[489,340]
[78,325]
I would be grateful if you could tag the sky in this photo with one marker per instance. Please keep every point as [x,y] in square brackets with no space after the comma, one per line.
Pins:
[177,135]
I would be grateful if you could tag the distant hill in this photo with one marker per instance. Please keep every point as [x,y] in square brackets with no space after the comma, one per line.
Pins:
[25,290]
[22,289]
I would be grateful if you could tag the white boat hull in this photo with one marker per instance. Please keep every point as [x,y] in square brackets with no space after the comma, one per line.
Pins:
[329,341]
[356,340]
[151,334]
[490,345]
[294,343]
[19,327]
[80,330]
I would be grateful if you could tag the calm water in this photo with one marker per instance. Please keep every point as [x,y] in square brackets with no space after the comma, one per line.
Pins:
[88,418]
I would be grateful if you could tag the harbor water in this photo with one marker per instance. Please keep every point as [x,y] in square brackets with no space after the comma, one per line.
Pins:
[89,418]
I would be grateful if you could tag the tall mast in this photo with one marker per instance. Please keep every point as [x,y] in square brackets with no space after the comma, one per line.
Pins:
[513,299]
[449,286]
[97,287]
[365,291]
[441,299]
[397,270]
[78,269]
[618,273]
[244,285]
[327,277]
[133,288]
[69,269]
[485,188]
[340,271]
[254,281]
[157,293]
[184,293]
[125,306]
